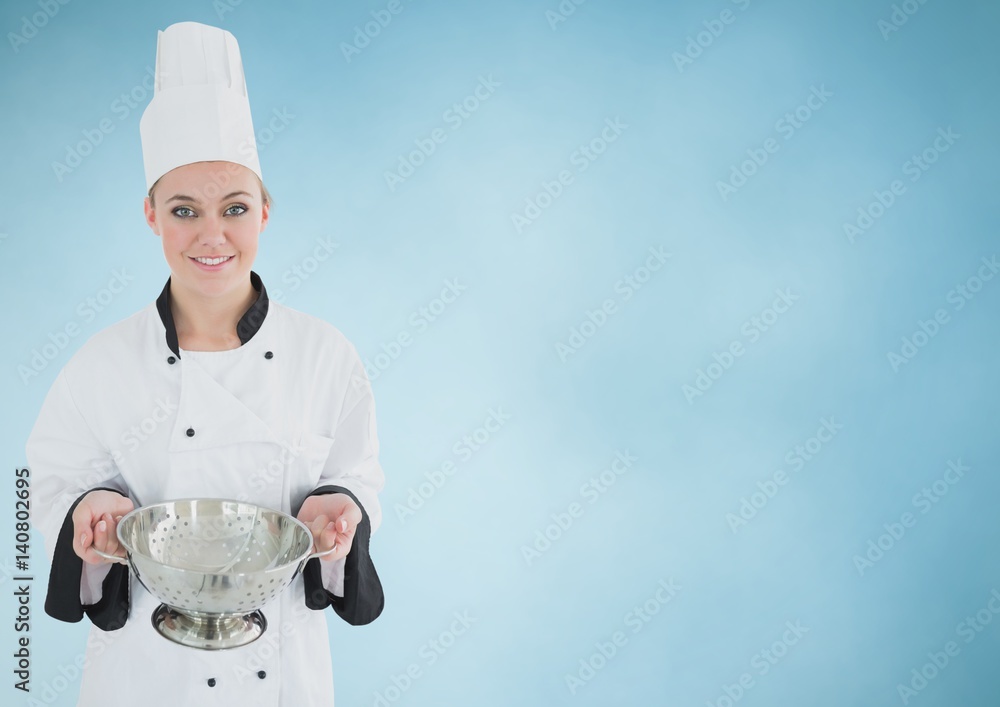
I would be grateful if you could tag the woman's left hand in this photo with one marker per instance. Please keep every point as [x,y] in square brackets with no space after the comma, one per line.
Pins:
[332,518]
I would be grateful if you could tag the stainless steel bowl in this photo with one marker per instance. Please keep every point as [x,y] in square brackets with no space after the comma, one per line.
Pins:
[213,563]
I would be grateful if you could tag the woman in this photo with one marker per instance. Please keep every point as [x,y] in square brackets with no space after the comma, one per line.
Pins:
[213,390]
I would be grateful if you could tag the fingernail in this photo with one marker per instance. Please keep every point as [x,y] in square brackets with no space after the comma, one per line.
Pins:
[102,526]
[329,526]
[343,525]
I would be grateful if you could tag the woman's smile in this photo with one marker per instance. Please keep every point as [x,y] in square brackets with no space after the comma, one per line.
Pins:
[212,264]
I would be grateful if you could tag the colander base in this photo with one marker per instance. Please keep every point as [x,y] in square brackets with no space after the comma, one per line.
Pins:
[208,632]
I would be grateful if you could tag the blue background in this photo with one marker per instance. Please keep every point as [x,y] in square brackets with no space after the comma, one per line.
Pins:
[357,114]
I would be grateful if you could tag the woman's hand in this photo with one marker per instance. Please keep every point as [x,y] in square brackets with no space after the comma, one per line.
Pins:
[332,518]
[95,524]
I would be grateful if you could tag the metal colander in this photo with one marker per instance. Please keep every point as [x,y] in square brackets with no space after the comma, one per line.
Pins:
[213,559]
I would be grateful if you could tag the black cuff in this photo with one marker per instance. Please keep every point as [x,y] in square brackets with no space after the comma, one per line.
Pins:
[63,599]
[363,598]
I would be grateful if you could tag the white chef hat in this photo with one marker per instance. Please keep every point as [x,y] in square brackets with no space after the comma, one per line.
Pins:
[200,110]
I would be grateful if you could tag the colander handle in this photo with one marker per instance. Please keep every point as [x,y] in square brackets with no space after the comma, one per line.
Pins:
[112,558]
[310,557]
[323,554]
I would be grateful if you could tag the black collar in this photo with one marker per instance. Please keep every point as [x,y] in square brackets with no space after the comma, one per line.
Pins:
[248,325]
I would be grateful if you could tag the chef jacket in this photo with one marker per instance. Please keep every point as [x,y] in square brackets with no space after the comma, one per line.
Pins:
[287,415]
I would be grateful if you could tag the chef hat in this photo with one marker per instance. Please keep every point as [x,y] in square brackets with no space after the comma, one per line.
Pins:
[200,110]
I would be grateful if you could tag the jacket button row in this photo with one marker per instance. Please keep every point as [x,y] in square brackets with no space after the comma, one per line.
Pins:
[211,682]
[171,360]
[269,355]
[190,432]
[261,674]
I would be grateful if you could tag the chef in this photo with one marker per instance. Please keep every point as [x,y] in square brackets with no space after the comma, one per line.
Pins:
[213,390]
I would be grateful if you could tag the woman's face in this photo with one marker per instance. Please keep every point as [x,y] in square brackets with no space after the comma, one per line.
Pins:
[206,211]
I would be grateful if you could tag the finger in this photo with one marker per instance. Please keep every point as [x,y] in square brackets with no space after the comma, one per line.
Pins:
[344,538]
[347,522]
[328,539]
[316,526]
[112,540]
[83,534]
[94,539]
[352,514]
[344,532]
[346,528]
[344,543]
[309,509]
[101,535]
[323,538]
[82,541]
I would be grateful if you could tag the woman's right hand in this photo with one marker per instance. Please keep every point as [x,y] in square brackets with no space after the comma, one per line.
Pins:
[95,524]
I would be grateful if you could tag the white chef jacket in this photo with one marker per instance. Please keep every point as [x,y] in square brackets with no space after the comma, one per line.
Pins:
[288,414]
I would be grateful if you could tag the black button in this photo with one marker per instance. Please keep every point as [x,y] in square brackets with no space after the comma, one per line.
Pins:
[269,355]
[190,432]
[261,674]
[171,360]
[211,682]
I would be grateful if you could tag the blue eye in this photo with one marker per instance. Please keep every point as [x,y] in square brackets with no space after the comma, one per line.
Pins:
[176,212]
[241,207]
